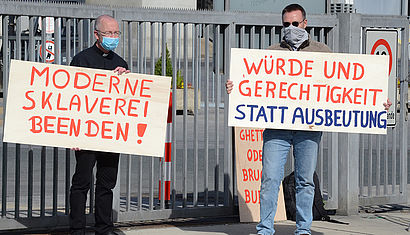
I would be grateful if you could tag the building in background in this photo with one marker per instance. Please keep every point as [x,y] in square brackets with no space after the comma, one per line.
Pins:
[270,6]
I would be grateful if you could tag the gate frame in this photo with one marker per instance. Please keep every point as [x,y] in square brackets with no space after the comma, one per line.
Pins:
[345,32]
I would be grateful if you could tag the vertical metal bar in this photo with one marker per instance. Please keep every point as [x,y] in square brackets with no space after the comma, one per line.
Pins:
[179,45]
[13,45]
[26,50]
[43,39]
[386,162]
[394,156]
[319,166]
[87,23]
[370,166]
[199,72]
[312,33]
[18,37]
[378,165]
[31,51]
[361,165]
[128,183]
[55,180]
[75,32]
[217,100]
[195,68]
[67,181]
[68,41]
[272,35]
[140,183]
[193,55]
[130,67]
[159,39]
[69,23]
[38,44]
[322,35]
[262,40]
[185,124]
[74,22]
[229,36]
[43,181]
[87,38]
[81,34]
[242,37]
[57,58]
[206,116]
[144,32]
[333,166]
[252,38]
[90,30]
[152,163]
[130,47]
[123,38]
[30,184]
[164,67]
[403,124]
[140,47]
[174,85]
[57,40]
[18,148]
[43,148]
[151,184]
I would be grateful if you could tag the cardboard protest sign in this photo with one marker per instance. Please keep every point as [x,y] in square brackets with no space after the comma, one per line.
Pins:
[248,152]
[308,91]
[64,106]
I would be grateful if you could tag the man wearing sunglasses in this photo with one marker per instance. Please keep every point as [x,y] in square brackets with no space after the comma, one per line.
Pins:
[99,56]
[295,36]
[277,143]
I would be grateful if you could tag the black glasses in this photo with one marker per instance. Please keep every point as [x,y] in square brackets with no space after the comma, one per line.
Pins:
[108,33]
[294,23]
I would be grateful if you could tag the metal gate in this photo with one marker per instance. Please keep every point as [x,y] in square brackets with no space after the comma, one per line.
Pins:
[36,180]
[383,175]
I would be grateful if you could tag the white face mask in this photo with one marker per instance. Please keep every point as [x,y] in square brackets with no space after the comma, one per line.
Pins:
[295,36]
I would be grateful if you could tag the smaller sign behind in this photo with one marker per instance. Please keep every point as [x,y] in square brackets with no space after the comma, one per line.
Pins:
[248,143]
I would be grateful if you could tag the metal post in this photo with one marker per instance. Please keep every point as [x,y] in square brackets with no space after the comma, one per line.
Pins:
[404,7]
[350,25]
[227,5]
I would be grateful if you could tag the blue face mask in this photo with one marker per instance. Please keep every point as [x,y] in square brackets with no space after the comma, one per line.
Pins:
[110,44]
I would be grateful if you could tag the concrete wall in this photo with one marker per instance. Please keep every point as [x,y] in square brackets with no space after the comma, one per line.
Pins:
[187,4]
[378,7]
[272,6]
[132,3]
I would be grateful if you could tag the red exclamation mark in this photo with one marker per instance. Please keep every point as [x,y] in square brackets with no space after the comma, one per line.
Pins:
[141,130]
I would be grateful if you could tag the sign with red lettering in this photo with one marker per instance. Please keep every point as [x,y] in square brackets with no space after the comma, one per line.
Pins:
[308,91]
[248,152]
[73,107]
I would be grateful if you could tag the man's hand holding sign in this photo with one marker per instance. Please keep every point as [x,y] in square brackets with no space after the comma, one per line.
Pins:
[96,107]
[295,91]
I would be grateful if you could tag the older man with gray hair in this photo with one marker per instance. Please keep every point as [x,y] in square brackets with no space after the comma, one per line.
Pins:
[99,56]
